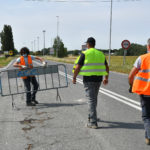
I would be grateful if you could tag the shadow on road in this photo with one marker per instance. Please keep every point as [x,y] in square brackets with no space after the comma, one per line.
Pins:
[122,125]
[47,105]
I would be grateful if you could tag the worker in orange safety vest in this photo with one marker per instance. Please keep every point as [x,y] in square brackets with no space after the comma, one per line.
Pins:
[139,80]
[24,62]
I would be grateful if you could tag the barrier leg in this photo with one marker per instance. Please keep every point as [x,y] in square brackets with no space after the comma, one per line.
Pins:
[58,96]
[13,105]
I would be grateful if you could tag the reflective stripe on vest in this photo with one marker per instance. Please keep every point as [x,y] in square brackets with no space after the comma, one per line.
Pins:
[142,79]
[94,70]
[145,71]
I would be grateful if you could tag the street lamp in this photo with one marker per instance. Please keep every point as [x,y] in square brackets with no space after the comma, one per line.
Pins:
[110,34]
[57,25]
[32,45]
[44,41]
[38,43]
[57,35]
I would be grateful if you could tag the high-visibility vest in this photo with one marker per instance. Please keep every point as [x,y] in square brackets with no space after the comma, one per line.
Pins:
[141,84]
[22,62]
[94,63]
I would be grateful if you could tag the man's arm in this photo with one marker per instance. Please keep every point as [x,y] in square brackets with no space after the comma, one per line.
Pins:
[78,67]
[40,59]
[16,64]
[76,72]
[132,74]
[105,81]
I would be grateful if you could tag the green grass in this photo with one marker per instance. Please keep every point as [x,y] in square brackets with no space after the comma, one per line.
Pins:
[115,65]
[5,61]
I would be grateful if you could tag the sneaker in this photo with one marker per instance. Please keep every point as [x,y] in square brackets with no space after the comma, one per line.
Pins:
[147,141]
[35,102]
[91,125]
[30,104]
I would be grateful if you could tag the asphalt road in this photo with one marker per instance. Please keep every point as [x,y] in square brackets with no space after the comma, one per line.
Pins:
[54,125]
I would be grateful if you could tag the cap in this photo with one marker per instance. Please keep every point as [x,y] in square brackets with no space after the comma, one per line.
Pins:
[91,40]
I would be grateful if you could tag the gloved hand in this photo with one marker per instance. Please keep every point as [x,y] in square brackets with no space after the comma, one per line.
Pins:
[130,89]
[23,67]
[43,63]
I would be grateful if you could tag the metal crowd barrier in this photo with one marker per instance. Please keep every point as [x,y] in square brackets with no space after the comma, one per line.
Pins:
[48,77]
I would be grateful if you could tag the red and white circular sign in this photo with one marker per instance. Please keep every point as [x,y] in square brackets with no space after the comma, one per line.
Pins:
[125,44]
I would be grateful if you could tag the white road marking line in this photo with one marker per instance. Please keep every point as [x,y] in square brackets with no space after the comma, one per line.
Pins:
[118,97]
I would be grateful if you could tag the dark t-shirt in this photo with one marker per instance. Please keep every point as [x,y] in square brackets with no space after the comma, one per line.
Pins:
[89,78]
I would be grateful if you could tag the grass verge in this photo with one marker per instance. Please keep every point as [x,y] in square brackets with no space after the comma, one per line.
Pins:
[5,61]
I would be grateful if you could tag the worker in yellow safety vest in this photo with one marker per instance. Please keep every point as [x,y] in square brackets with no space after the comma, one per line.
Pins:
[92,65]
[24,62]
[139,80]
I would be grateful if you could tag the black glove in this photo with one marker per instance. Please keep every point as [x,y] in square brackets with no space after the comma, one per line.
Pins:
[130,89]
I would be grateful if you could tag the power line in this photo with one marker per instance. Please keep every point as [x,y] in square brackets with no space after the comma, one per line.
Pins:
[84,1]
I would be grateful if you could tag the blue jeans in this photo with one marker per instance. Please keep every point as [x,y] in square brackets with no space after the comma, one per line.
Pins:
[92,89]
[145,103]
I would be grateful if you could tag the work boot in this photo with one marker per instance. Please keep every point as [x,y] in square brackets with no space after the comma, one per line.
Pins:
[35,101]
[92,125]
[147,141]
[30,104]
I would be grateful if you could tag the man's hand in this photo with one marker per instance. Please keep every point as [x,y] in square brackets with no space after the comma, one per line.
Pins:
[43,63]
[23,67]
[105,81]
[74,81]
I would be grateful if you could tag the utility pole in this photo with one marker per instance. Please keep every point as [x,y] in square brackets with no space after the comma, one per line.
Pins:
[34,45]
[44,41]
[38,43]
[110,34]
[57,35]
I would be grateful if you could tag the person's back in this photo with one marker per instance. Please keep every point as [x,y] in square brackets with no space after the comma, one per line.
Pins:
[139,80]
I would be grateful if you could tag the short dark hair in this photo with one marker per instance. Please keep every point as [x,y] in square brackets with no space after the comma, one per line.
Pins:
[91,41]
[24,50]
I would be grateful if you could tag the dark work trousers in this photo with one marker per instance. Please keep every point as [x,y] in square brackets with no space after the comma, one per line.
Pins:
[27,82]
[145,103]
[92,90]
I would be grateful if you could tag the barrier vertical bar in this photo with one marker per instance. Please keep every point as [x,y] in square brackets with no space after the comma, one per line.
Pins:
[52,80]
[16,81]
[45,78]
[9,83]
[58,76]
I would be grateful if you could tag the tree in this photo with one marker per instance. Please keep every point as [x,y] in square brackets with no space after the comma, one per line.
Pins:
[76,52]
[59,49]
[7,39]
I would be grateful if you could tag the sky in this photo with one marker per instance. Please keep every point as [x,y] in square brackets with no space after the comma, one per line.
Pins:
[77,22]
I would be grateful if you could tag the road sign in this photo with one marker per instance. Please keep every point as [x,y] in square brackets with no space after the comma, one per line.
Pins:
[11,53]
[125,44]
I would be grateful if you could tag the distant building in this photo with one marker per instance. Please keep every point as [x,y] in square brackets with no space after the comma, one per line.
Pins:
[83,47]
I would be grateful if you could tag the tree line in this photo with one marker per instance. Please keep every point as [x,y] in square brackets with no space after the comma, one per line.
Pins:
[7,42]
